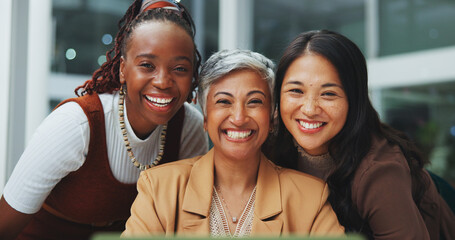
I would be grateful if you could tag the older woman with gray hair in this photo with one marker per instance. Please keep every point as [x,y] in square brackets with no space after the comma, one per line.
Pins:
[233,190]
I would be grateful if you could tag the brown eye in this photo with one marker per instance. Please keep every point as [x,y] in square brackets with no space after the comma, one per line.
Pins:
[223,101]
[295,90]
[255,101]
[330,94]
[147,65]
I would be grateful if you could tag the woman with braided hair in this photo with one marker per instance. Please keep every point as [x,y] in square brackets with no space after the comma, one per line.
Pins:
[78,174]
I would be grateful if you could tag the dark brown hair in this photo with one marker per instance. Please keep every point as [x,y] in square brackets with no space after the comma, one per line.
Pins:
[352,143]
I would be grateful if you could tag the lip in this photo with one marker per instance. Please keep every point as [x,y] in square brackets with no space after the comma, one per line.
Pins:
[238,135]
[159,103]
[310,126]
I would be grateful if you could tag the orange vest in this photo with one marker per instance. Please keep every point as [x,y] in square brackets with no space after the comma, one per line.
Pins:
[91,199]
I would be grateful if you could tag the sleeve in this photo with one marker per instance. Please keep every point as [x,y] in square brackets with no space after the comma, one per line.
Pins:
[144,218]
[194,140]
[326,221]
[383,197]
[57,148]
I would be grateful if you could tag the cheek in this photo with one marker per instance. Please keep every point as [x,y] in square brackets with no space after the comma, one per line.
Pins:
[184,86]
[287,106]
[264,120]
[338,113]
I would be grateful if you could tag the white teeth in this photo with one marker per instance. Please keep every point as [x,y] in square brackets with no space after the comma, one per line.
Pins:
[310,125]
[159,102]
[238,134]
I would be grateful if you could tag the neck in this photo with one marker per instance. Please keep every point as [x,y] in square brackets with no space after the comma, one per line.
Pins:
[141,127]
[236,175]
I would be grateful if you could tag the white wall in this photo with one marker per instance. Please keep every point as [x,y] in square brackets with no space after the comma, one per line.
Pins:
[424,67]
[24,68]
[5,48]
[38,57]
[235,24]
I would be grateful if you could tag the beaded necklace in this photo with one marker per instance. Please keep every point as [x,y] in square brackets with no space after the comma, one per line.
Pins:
[127,143]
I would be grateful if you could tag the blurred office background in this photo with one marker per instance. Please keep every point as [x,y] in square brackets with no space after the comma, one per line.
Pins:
[49,47]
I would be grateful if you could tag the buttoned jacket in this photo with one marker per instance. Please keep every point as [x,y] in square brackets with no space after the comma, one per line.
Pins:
[175,198]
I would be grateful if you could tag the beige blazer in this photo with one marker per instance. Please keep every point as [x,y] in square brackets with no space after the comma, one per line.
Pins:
[176,198]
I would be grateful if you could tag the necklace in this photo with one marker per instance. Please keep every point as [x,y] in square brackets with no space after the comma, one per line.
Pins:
[127,143]
[220,194]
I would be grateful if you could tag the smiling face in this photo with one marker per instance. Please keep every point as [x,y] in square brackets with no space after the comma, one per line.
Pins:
[238,114]
[157,69]
[313,103]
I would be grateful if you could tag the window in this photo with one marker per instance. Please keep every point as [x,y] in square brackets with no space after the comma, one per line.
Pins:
[277,23]
[412,25]
[426,113]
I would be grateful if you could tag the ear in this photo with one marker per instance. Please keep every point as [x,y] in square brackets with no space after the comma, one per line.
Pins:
[121,69]
[205,124]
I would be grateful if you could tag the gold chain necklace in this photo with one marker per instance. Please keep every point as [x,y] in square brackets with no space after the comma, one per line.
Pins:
[127,143]
[220,194]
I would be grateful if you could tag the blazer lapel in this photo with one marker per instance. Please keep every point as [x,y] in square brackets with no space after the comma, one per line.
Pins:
[198,196]
[268,201]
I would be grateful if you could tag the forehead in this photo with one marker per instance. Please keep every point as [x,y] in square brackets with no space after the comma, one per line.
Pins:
[312,68]
[241,82]
[159,35]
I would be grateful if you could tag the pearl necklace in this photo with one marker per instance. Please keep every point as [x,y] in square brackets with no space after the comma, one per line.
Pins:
[127,143]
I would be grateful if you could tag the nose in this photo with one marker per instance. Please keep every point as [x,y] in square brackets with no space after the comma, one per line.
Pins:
[310,106]
[162,79]
[239,115]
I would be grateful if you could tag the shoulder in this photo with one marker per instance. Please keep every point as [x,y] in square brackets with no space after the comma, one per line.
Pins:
[192,114]
[69,110]
[168,172]
[382,156]
[383,172]
[75,111]
[107,101]
[294,182]
[290,175]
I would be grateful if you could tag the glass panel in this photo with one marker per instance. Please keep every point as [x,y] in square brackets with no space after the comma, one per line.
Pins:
[427,114]
[208,42]
[276,23]
[411,25]
[83,31]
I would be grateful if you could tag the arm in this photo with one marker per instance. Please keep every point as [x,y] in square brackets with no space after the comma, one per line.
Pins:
[383,197]
[144,218]
[194,141]
[57,148]
[326,221]
[11,221]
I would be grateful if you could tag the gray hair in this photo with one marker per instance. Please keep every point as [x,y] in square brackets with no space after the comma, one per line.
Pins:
[224,62]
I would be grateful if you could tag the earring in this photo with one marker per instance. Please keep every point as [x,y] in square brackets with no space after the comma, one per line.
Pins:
[123,88]
[194,94]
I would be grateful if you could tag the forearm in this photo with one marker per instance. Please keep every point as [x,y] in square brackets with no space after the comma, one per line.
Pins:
[11,221]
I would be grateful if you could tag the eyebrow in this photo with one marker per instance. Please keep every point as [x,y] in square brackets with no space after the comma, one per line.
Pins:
[152,56]
[248,94]
[332,85]
[254,92]
[323,85]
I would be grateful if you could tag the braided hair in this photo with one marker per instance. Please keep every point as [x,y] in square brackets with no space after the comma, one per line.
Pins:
[106,78]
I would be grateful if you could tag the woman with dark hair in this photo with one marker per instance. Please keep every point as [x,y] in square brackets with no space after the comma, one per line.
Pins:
[78,174]
[329,128]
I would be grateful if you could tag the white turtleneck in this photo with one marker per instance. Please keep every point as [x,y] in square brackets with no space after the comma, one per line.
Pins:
[60,144]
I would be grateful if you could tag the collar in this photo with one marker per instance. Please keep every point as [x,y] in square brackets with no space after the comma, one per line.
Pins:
[198,197]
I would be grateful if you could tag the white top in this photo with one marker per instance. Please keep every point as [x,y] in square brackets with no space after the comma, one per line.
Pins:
[60,145]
